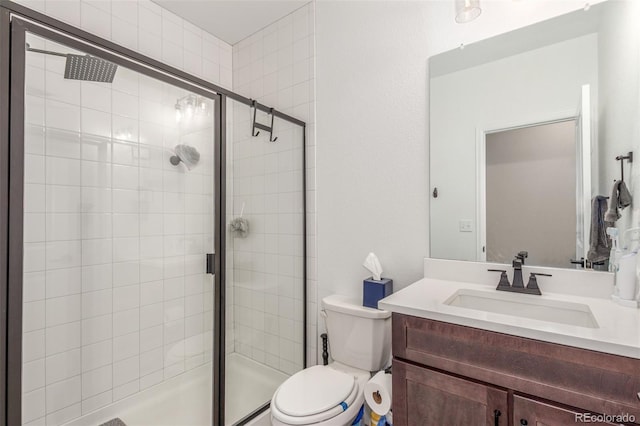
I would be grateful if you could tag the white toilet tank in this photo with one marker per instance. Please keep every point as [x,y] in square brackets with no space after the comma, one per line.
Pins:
[358,336]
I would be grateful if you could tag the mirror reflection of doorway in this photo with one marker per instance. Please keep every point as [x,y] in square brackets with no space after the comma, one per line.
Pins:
[523,167]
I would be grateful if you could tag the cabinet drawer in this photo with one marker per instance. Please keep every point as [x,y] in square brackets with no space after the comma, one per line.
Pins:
[429,398]
[594,381]
[536,413]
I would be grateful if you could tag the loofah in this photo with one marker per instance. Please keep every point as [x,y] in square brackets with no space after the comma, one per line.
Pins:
[239,226]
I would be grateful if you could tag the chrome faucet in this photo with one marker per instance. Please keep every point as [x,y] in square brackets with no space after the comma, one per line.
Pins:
[518,283]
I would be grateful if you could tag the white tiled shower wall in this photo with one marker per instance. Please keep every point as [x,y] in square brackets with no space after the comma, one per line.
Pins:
[276,66]
[115,298]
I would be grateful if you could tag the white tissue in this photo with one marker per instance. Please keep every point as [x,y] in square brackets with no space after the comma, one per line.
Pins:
[373,264]
[378,393]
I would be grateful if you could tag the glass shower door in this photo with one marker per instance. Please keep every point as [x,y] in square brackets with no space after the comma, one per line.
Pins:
[265,277]
[117,166]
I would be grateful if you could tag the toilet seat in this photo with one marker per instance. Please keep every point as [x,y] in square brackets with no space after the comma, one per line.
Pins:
[314,395]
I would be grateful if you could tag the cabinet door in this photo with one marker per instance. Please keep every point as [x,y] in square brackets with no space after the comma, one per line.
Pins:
[428,398]
[528,412]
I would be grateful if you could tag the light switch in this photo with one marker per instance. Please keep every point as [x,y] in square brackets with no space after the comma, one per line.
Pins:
[466,226]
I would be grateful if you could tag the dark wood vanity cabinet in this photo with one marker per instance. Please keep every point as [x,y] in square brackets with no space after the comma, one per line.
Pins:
[447,374]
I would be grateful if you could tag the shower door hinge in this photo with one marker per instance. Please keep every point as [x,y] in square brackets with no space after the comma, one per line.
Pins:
[211,263]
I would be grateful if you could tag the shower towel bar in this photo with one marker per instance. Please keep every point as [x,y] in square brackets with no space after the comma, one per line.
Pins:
[256,125]
[621,158]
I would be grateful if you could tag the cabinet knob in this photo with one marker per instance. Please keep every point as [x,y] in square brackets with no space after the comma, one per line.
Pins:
[523,422]
[496,417]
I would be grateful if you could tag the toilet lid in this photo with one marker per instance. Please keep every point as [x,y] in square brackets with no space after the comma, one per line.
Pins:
[314,390]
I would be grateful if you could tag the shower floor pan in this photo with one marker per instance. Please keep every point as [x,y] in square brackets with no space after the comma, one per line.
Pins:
[185,399]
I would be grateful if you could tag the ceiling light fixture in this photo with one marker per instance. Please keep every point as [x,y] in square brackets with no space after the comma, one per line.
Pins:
[467,10]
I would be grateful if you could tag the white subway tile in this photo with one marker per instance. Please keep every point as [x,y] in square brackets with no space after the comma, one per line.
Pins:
[33,375]
[95,402]
[125,298]
[126,273]
[62,199]
[151,379]
[68,12]
[151,338]
[126,322]
[125,390]
[126,249]
[150,21]
[125,177]
[63,310]
[97,303]
[63,366]
[151,293]
[126,371]
[151,247]
[95,148]
[63,254]
[95,200]
[35,110]
[96,225]
[96,123]
[96,96]
[97,381]
[63,282]
[97,277]
[149,44]
[95,20]
[97,355]
[62,171]
[63,226]
[34,227]
[63,116]
[97,329]
[63,394]
[33,345]
[95,174]
[95,252]
[33,405]
[61,143]
[123,33]
[124,128]
[126,346]
[34,169]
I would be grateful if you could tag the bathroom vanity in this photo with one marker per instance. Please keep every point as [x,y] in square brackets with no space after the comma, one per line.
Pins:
[457,365]
[449,374]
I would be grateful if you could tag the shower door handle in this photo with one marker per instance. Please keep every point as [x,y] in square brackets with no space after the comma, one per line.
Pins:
[211,263]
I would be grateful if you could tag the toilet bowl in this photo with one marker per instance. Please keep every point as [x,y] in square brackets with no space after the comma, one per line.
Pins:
[332,395]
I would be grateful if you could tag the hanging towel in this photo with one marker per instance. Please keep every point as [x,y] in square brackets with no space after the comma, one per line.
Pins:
[599,244]
[620,199]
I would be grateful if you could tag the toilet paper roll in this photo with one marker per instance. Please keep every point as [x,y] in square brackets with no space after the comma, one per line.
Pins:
[377,393]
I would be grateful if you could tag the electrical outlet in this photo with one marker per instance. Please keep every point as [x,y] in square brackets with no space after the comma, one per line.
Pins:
[466,226]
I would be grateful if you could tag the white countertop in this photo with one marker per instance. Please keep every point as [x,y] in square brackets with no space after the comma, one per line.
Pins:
[618,329]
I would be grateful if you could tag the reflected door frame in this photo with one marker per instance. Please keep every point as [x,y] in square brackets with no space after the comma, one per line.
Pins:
[482,131]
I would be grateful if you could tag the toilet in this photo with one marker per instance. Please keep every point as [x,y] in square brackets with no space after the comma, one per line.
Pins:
[332,395]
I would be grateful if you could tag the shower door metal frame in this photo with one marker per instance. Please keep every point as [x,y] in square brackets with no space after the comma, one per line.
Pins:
[15,21]
[19,28]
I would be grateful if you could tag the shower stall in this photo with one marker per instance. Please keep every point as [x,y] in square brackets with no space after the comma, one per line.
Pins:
[153,271]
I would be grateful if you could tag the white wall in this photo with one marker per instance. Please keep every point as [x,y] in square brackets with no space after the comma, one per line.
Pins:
[372,114]
[619,105]
[536,86]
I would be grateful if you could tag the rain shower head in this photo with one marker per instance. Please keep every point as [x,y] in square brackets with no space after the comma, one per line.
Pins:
[84,67]
[187,154]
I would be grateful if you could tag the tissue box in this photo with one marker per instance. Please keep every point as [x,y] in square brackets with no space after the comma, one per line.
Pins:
[374,290]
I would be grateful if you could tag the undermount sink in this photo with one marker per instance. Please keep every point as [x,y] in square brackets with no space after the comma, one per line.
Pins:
[524,306]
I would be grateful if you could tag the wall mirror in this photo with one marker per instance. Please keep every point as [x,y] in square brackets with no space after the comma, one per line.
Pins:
[525,128]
